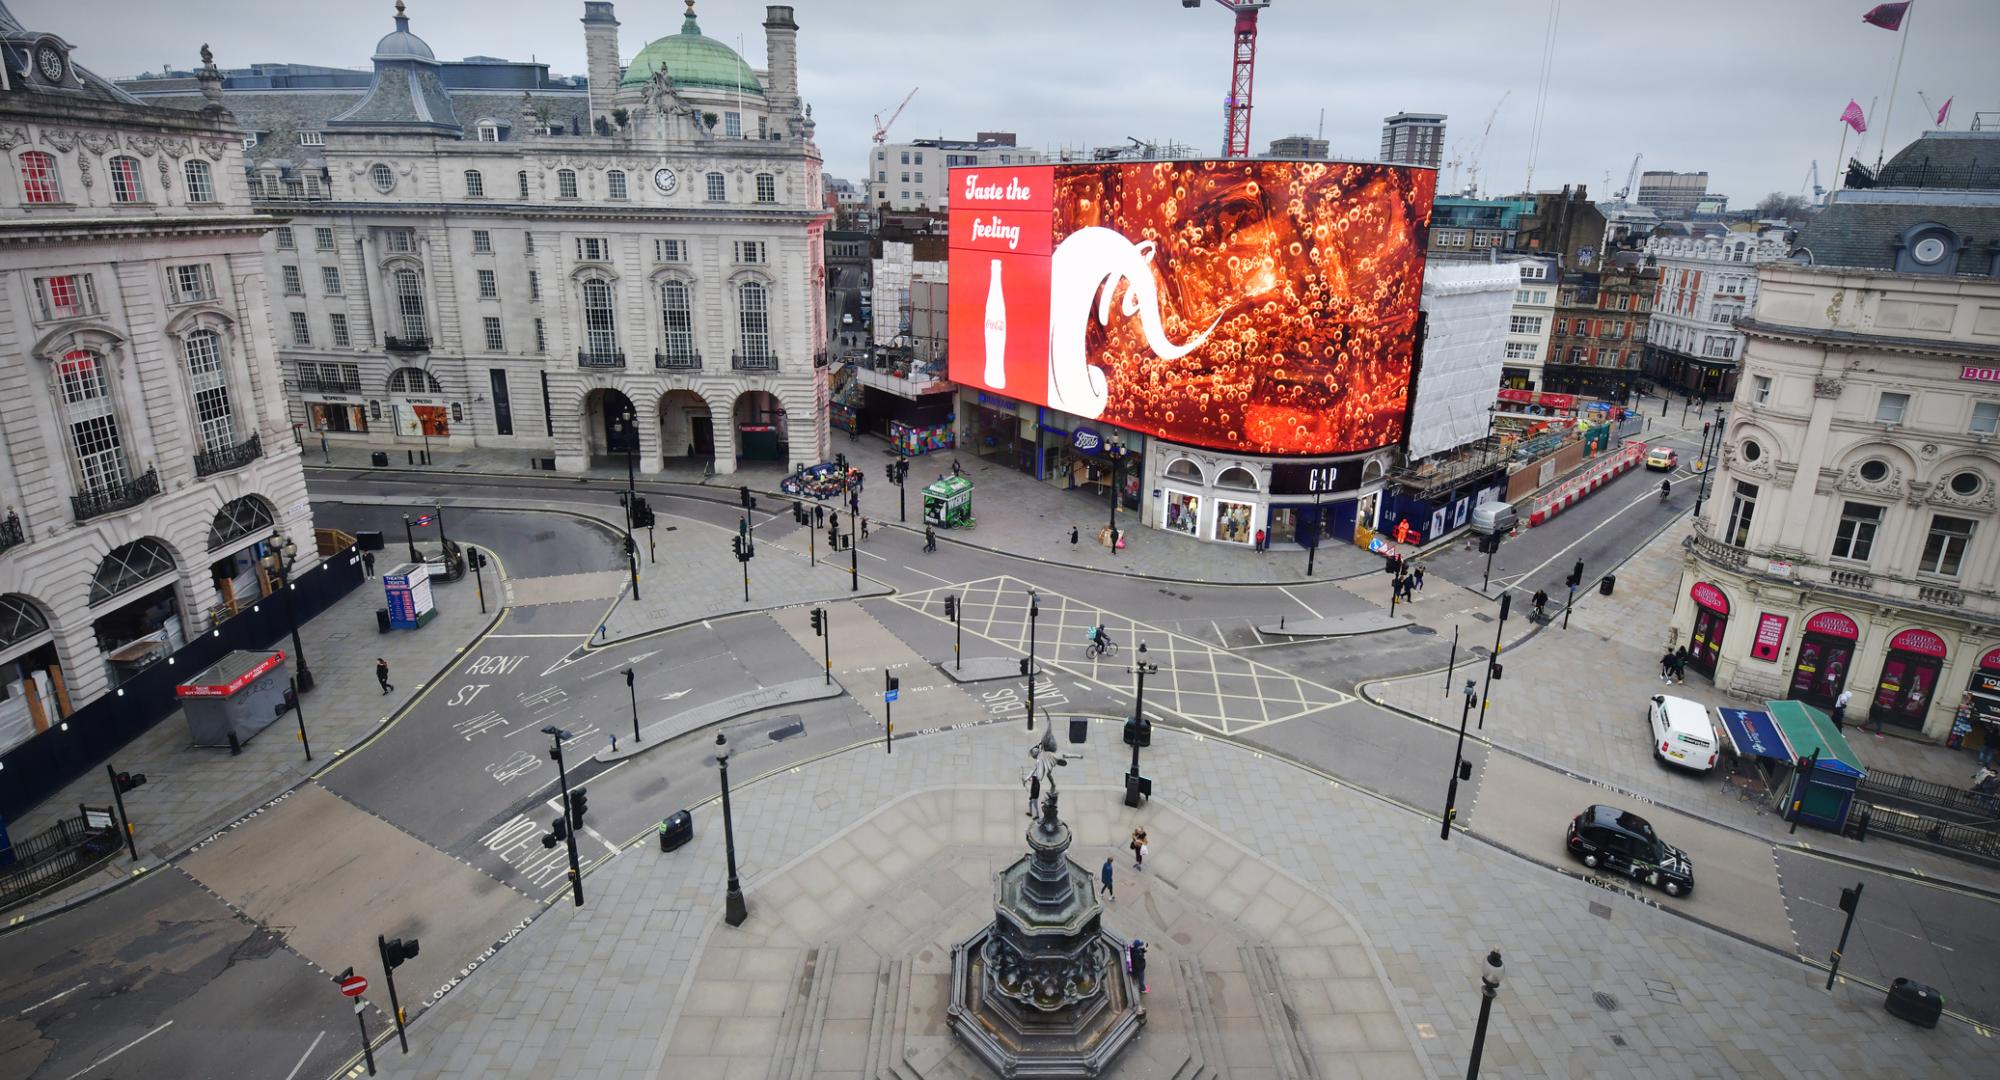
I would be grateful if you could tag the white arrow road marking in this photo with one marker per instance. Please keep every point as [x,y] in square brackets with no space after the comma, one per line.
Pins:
[675,694]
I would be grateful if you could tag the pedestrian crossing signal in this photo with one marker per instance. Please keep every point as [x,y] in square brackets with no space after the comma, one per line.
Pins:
[818,622]
[951,608]
[130,782]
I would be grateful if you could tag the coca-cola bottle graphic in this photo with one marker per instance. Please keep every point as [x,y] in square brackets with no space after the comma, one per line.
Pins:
[996,332]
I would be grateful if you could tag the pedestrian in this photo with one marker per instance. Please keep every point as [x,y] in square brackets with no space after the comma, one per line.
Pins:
[1840,708]
[1034,792]
[1104,875]
[930,539]
[1139,848]
[1541,604]
[1681,664]
[614,741]
[382,675]
[1257,541]
[955,470]
[1418,574]
[1072,536]
[368,563]
[1667,666]
[1137,963]
[864,528]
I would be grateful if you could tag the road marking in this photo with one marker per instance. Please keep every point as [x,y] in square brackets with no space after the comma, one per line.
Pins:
[57,998]
[675,694]
[537,635]
[1614,516]
[121,1050]
[1299,602]
[608,845]
[874,556]
[304,1056]
[933,577]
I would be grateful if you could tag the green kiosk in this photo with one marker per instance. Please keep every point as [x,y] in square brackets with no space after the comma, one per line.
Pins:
[948,503]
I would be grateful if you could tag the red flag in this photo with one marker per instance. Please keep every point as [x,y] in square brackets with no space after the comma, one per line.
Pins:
[1944,112]
[1887,16]
[1851,116]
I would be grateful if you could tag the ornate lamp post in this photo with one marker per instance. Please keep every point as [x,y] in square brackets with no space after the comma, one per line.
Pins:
[1116,450]
[1491,971]
[734,909]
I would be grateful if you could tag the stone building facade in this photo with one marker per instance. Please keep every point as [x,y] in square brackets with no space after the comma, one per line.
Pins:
[1706,283]
[146,464]
[1600,329]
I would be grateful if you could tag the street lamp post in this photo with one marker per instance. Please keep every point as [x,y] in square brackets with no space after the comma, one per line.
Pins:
[735,910]
[627,428]
[287,551]
[556,736]
[301,711]
[1116,450]
[632,687]
[1460,768]
[1491,970]
[1493,662]
[1028,668]
[1138,730]
[410,535]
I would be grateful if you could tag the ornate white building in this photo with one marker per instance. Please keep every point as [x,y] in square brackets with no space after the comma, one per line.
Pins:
[566,274]
[145,459]
[1706,283]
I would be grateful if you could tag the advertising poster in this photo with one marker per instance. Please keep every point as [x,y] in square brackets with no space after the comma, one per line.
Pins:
[1262,307]
[1769,638]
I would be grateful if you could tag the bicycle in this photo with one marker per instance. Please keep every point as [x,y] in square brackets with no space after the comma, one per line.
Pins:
[1101,646]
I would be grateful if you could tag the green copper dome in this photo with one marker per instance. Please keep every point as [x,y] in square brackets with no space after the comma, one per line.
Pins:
[693,61]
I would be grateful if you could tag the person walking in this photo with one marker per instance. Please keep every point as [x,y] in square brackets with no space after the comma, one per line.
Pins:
[1072,536]
[955,470]
[1104,876]
[1139,848]
[930,539]
[1258,541]
[1034,792]
[864,528]
[1667,666]
[1840,708]
[368,563]
[382,675]
[1138,965]
[1418,574]
[1681,665]
[1541,605]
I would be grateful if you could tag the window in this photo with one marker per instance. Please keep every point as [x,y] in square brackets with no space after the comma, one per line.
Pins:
[341,339]
[614,184]
[322,239]
[716,191]
[767,188]
[750,251]
[528,243]
[381,176]
[1966,484]
[541,336]
[522,176]
[329,280]
[202,351]
[754,315]
[566,183]
[600,326]
[920,157]
[534,285]
[398,240]
[1890,409]
[494,342]
[732,125]
[906,176]
[1740,510]
[301,330]
[489,285]
[127,182]
[669,251]
[1524,324]
[286,241]
[475,184]
[503,404]
[1752,450]
[1624,303]
[1521,350]
[200,182]
[489,131]
[1562,326]
[1874,470]
[66,296]
[1985,418]
[38,178]
[1944,548]
[414,380]
[250,141]
[592,249]
[677,315]
[92,422]
[1760,391]
[409,288]
[194,281]
[482,242]
[293,286]
[881,176]
[312,138]
[906,157]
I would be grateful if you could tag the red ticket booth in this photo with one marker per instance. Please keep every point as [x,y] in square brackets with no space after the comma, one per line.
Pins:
[1711,620]
[1909,679]
[1826,653]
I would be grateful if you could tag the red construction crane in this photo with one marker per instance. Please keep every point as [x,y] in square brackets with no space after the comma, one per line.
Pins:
[882,126]
[1242,74]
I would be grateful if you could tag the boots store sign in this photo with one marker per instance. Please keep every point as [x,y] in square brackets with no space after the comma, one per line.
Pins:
[1260,307]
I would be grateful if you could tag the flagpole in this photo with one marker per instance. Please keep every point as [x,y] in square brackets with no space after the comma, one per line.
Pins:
[1840,159]
[1909,16]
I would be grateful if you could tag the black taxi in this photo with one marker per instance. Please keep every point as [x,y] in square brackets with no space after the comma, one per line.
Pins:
[1623,843]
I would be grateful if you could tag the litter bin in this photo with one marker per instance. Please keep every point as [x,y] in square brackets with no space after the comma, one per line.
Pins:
[381,620]
[1079,730]
[1610,582]
[368,539]
[1913,1001]
[676,831]
[379,459]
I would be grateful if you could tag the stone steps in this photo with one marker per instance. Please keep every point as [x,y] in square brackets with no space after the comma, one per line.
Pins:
[792,1058]
[1204,1037]
[1267,985]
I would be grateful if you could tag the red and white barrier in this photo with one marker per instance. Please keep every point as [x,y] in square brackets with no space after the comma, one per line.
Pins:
[1569,492]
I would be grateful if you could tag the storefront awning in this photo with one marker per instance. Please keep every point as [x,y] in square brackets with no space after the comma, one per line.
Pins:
[1806,729]
[1754,734]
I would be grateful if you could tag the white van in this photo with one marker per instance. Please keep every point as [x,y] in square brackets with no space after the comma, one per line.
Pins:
[1682,732]
[1493,517]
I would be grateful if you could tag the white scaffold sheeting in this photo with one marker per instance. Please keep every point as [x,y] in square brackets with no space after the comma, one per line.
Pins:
[1468,305]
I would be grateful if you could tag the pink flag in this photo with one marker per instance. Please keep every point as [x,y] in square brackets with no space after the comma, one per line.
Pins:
[1887,16]
[1852,117]
[1944,112]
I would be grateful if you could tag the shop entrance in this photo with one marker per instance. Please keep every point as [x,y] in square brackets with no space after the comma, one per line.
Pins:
[1826,652]
[1711,621]
[1909,679]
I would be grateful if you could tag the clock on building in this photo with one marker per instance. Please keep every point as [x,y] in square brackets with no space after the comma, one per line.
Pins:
[50,60]
[666,181]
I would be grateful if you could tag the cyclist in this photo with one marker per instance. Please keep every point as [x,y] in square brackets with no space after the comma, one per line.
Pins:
[1541,605]
[1100,640]
[1666,489]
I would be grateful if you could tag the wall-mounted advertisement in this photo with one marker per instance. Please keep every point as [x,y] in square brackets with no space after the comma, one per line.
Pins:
[1262,307]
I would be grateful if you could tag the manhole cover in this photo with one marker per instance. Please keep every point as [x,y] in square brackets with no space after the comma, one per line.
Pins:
[1605,1001]
[1482,616]
[1602,911]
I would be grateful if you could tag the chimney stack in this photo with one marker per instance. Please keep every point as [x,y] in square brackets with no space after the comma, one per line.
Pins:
[600,57]
[781,51]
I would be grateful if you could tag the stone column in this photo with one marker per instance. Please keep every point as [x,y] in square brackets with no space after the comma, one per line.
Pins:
[600,50]
[781,47]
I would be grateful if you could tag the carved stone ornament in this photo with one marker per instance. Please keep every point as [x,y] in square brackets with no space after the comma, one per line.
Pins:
[214,149]
[12,137]
[1929,451]
[146,145]
[1828,479]
[1983,499]
[166,174]
[1828,388]
[1889,487]
[83,166]
[1917,492]
[64,141]
[97,142]
[176,148]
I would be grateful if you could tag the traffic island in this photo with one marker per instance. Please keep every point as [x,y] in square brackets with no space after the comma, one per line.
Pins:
[1361,622]
[985,669]
[722,710]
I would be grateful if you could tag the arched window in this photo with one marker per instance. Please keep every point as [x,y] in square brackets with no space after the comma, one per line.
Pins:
[38,178]
[126,568]
[20,619]
[566,183]
[600,321]
[92,421]
[200,182]
[414,380]
[410,303]
[1183,469]
[475,184]
[754,321]
[717,190]
[216,424]
[767,188]
[1237,477]
[614,184]
[128,183]
[677,314]
[381,176]
[246,516]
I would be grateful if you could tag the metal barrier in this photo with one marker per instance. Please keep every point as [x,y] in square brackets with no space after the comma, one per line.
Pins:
[54,855]
[1569,492]
[1888,785]
[1975,842]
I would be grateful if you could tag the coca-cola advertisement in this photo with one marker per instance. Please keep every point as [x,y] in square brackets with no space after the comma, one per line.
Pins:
[1264,307]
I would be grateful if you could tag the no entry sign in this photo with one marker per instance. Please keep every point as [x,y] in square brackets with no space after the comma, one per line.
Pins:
[354,986]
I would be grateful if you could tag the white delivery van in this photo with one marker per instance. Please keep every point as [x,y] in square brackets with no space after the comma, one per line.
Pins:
[1493,517]
[1682,732]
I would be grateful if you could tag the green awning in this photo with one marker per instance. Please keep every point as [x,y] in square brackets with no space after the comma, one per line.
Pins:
[1806,729]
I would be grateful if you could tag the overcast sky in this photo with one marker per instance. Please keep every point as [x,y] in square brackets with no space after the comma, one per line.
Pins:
[1750,92]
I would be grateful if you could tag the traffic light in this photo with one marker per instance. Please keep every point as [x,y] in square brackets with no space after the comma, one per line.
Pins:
[642,515]
[579,804]
[743,493]
[1848,899]
[818,621]
[1506,605]
[557,833]
[798,512]
[1575,575]
[129,782]
[736,546]
[891,683]
[397,950]
[951,608]
[1024,665]
[478,558]
[902,469]
[628,677]
[1496,670]
[1464,770]
[891,470]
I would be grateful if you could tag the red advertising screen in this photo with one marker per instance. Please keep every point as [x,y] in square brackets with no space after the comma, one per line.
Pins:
[1264,307]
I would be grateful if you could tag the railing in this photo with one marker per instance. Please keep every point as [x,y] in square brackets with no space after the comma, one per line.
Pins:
[210,462]
[406,344]
[123,495]
[11,533]
[677,360]
[1888,785]
[289,190]
[753,361]
[1850,579]
[329,386]
[1717,552]
[1938,594]
[586,358]
[57,853]
[1975,842]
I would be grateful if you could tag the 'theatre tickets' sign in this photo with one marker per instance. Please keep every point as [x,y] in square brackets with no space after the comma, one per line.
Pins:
[1265,307]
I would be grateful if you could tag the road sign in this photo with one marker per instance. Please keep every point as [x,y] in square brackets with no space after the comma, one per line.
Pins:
[354,986]
[890,695]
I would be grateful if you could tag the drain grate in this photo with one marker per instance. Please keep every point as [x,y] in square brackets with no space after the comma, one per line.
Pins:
[1602,911]
[1617,1039]
[1605,1001]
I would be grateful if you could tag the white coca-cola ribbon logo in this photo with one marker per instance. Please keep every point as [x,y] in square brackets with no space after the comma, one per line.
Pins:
[1088,266]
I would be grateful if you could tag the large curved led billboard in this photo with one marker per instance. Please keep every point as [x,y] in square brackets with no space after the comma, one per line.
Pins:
[1263,307]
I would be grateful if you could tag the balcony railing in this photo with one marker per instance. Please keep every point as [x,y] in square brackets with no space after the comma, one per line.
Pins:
[210,462]
[407,344]
[1938,594]
[316,384]
[123,495]
[1851,579]
[586,358]
[676,360]
[11,533]
[753,361]
[1721,554]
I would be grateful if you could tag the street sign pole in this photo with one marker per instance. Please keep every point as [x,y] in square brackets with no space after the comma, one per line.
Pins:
[854,566]
[826,643]
[124,822]
[298,707]
[958,644]
[352,986]
[888,712]
[1499,630]
[478,579]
